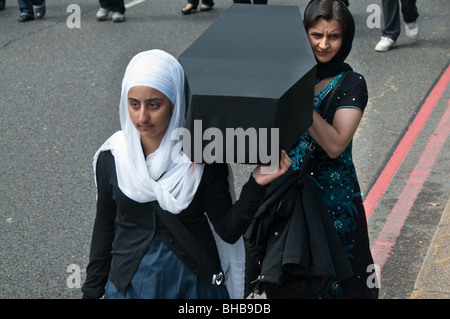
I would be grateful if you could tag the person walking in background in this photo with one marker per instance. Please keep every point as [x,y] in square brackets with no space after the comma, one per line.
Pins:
[116,6]
[392,25]
[192,5]
[31,8]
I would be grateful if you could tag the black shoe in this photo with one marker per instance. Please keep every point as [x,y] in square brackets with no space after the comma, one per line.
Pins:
[25,18]
[2,7]
[207,8]
[40,12]
[189,11]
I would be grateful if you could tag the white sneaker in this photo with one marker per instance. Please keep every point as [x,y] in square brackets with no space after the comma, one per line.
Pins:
[412,30]
[118,17]
[384,45]
[102,14]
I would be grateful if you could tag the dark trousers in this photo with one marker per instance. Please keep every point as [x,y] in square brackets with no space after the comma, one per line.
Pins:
[248,1]
[391,15]
[209,3]
[114,5]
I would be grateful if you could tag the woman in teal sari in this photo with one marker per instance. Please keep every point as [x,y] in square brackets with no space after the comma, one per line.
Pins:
[330,28]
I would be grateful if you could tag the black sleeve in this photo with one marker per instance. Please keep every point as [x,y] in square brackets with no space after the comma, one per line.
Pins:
[353,92]
[103,233]
[229,221]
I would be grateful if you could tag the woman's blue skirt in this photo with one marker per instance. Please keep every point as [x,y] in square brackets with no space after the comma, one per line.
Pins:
[162,275]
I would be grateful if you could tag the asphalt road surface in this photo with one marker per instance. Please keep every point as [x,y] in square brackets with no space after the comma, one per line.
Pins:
[59,93]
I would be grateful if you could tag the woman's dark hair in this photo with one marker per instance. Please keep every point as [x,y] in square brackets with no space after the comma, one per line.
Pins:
[327,10]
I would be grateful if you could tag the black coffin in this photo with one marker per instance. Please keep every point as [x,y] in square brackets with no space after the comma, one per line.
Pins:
[250,86]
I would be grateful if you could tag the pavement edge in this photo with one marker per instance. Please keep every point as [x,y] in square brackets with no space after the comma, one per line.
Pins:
[433,281]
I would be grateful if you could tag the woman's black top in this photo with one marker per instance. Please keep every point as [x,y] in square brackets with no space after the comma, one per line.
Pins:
[124,229]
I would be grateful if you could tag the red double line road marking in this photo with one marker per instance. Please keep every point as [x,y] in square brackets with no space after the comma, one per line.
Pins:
[396,219]
[402,149]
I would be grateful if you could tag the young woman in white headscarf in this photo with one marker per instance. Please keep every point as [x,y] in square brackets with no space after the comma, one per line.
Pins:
[133,253]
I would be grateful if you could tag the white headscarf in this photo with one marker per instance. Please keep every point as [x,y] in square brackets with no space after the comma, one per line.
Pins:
[172,183]
[167,175]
